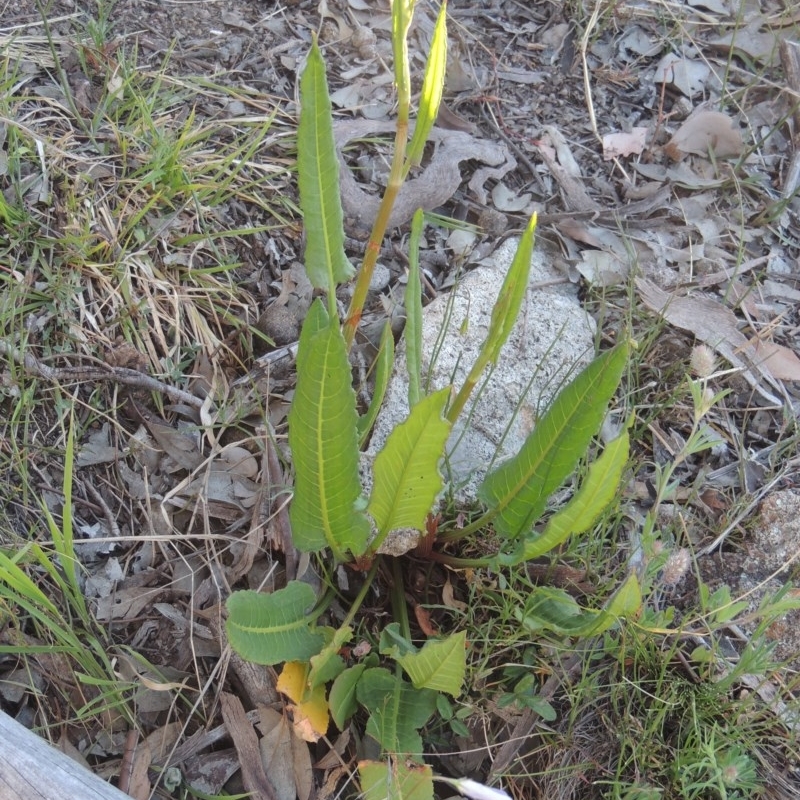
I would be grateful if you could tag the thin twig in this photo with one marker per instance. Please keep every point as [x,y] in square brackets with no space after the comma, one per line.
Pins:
[127,377]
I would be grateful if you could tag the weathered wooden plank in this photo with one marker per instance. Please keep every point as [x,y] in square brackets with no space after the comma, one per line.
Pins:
[31,769]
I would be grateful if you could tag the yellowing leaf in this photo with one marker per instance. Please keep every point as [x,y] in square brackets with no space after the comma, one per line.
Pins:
[311,708]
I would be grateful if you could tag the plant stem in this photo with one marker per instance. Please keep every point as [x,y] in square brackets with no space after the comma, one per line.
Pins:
[353,317]
[362,592]
[402,12]
[459,533]
[460,563]
[399,607]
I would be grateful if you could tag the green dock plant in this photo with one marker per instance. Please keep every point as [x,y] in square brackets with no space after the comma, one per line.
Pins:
[329,510]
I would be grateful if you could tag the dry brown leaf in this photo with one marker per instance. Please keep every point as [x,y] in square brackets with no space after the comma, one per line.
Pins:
[97,449]
[180,447]
[126,604]
[239,460]
[448,597]
[713,324]
[154,748]
[704,131]
[424,621]
[630,143]
[302,769]
[782,362]
[276,752]
[685,74]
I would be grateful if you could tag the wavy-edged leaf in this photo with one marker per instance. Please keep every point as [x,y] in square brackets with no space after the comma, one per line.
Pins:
[432,87]
[324,443]
[595,494]
[270,628]
[413,303]
[439,665]
[384,362]
[553,609]
[397,711]
[395,781]
[406,475]
[504,316]
[318,180]
[518,489]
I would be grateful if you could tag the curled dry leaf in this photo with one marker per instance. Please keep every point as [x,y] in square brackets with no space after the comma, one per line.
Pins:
[424,621]
[448,597]
[704,131]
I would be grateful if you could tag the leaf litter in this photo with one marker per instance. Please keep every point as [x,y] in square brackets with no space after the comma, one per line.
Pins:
[579,133]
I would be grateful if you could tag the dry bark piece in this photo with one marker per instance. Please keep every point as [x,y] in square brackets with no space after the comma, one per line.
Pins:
[245,741]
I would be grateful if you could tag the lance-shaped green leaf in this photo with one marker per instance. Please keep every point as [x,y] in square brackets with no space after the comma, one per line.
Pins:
[318,180]
[595,494]
[270,628]
[316,320]
[397,711]
[384,362]
[504,315]
[432,87]
[518,489]
[395,780]
[324,444]
[413,303]
[406,476]
[439,665]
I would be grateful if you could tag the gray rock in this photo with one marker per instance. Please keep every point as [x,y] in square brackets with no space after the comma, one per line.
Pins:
[552,340]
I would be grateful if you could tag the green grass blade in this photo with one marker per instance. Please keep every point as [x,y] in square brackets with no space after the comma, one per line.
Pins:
[432,87]
[518,489]
[595,494]
[324,445]
[413,301]
[504,315]
[406,472]
[318,181]
[63,539]
[383,371]
[271,628]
